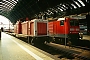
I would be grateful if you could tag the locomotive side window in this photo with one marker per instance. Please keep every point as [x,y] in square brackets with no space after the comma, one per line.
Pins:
[74,23]
[62,22]
[71,23]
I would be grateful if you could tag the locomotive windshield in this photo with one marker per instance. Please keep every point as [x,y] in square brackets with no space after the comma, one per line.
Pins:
[74,22]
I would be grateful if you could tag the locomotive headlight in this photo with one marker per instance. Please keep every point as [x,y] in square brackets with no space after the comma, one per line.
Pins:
[77,29]
[71,29]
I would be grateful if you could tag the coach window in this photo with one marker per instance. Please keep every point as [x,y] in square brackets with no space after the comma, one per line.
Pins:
[62,22]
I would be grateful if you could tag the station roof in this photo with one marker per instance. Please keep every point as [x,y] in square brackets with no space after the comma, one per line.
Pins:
[20,9]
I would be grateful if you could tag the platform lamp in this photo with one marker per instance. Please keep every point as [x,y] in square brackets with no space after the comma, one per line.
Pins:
[9,25]
[65,32]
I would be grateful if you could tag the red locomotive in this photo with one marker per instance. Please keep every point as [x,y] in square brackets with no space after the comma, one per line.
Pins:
[25,27]
[17,27]
[64,28]
[36,30]
[35,27]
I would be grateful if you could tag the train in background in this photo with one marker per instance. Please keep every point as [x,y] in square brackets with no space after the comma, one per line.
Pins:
[36,30]
[39,30]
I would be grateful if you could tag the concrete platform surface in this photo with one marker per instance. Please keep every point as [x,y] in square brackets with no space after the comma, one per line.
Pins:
[86,37]
[12,48]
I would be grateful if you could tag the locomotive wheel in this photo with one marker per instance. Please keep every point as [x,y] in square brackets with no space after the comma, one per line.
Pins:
[60,40]
[32,42]
[46,42]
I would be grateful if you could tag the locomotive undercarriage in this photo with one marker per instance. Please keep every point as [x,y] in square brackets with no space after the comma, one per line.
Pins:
[73,38]
[40,40]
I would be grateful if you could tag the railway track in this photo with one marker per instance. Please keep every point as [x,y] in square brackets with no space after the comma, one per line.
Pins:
[69,52]
[60,52]
[85,48]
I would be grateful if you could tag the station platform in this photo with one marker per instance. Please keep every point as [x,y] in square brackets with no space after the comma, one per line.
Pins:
[12,48]
[86,37]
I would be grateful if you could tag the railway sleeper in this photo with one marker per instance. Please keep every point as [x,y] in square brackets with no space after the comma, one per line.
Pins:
[70,53]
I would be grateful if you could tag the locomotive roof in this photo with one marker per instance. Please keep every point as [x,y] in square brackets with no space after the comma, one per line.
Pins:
[61,19]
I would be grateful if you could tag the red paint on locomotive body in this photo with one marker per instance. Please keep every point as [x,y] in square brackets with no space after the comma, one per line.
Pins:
[35,27]
[18,28]
[41,28]
[63,26]
[25,27]
[31,28]
[15,29]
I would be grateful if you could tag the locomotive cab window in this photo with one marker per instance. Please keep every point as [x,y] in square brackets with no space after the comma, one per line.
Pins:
[61,22]
[74,22]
